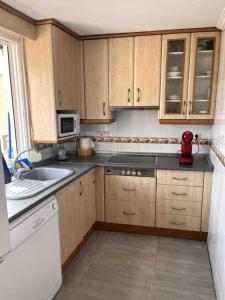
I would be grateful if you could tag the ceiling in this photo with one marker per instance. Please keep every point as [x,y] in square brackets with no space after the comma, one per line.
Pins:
[117,16]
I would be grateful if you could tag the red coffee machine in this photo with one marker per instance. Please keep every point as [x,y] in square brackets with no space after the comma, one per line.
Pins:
[186,157]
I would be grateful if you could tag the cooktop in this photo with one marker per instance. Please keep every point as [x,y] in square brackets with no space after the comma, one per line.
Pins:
[133,160]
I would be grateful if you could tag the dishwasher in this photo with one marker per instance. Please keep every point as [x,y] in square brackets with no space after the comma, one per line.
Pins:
[32,271]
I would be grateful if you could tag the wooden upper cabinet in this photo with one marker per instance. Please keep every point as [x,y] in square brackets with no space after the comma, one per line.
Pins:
[65,70]
[147,70]
[96,79]
[121,71]
[174,76]
[204,61]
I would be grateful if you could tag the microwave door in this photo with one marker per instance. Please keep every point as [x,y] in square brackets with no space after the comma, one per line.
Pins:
[4,224]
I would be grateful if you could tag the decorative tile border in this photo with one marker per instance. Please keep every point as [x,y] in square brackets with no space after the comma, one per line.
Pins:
[218,153]
[40,147]
[143,140]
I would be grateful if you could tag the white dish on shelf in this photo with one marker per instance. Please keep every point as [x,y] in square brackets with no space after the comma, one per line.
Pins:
[174,74]
[173,97]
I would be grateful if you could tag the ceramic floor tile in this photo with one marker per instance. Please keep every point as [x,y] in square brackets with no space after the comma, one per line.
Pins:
[114,266]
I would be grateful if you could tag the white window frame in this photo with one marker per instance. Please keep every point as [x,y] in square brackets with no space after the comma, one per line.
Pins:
[18,88]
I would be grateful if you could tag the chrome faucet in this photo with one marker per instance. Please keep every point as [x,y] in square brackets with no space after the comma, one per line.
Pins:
[15,160]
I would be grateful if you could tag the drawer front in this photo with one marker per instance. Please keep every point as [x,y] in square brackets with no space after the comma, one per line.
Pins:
[179,192]
[176,207]
[186,178]
[130,212]
[130,188]
[178,222]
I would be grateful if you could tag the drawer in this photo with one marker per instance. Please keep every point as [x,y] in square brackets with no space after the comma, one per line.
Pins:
[178,222]
[179,192]
[176,207]
[130,212]
[186,178]
[130,188]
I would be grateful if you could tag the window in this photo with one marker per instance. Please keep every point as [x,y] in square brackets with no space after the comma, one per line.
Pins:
[14,129]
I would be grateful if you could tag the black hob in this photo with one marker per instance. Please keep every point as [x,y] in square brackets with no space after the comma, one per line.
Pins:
[133,160]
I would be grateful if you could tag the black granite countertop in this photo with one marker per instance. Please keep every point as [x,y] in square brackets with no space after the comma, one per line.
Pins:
[81,165]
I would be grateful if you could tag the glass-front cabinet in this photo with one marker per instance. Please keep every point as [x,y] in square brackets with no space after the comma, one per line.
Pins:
[189,77]
[203,74]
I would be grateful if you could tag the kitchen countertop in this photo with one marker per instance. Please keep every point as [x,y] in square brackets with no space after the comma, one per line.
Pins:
[17,207]
[82,165]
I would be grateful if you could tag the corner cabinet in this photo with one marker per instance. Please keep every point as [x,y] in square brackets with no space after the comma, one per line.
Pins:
[134,71]
[189,78]
[53,69]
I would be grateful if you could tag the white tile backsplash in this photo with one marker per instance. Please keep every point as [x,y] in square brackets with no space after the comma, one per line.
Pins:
[144,123]
[216,237]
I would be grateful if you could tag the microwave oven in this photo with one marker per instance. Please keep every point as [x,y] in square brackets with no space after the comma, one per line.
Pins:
[68,125]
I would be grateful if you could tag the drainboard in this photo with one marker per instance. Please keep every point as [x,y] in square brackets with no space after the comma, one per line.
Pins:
[20,189]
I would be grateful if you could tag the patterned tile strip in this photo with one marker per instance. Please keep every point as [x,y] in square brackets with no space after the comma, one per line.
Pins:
[143,140]
[218,153]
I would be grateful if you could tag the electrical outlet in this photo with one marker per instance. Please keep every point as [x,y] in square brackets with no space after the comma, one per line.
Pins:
[199,134]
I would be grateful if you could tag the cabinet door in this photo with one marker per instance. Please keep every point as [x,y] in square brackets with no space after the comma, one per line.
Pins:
[174,76]
[121,73]
[204,61]
[88,209]
[96,78]
[147,70]
[68,201]
[65,70]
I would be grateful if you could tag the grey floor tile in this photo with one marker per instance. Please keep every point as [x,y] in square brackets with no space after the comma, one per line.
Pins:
[162,292]
[114,266]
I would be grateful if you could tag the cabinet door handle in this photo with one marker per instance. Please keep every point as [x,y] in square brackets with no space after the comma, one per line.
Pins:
[129,213]
[179,194]
[104,113]
[139,95]
[190,108]
[128,190]
[81,188]
[177,208]
[129,94]
[175,223]
[184,106]
[94,174]
[60,98]
[183,178]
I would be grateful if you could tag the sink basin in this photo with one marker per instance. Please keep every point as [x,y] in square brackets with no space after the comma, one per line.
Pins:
[43,174]
[35,181]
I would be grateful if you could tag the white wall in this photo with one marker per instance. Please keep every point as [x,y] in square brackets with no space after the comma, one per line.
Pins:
[143,123]
[216,239]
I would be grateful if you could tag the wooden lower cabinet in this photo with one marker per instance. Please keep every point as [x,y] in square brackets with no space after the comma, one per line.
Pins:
[76,213]
[178,222]
[130,212]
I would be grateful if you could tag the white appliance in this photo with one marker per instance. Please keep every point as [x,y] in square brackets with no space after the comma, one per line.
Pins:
[32,271]
[4,225]
[68,124]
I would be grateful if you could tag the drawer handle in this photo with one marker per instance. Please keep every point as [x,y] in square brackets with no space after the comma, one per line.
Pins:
[175,223]
[129,214]
[177,208]
[176,178]
[128,190]
[179,194]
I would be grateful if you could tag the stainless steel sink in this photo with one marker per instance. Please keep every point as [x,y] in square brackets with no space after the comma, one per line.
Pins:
[44,174]
[35,181]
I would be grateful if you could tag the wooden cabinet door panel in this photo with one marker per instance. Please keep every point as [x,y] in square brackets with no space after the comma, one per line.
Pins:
[130,188]
[177,207]
[185,178]
[147,70]
[140,213]
[179,192]
[178,222]
[68,202]
[65,70]
[96,78]
[121,71]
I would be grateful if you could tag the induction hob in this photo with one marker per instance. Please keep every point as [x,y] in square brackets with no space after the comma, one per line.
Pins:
[133,160]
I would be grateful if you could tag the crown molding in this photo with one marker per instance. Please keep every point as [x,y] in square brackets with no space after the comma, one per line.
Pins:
[221,22]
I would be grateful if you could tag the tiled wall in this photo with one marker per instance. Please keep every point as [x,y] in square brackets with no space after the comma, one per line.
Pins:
[216,238]
[143,123]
